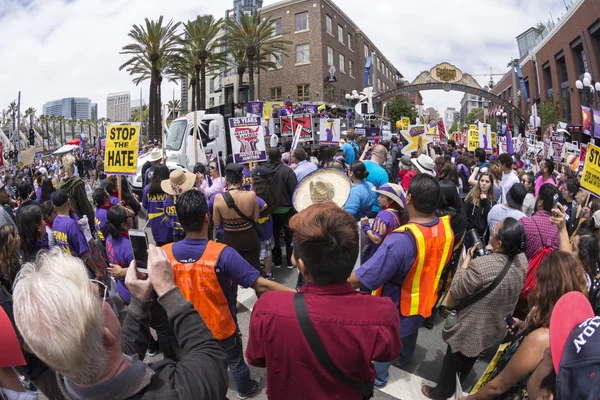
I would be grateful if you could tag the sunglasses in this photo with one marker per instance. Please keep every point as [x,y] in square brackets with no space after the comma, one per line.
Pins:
[212,167]
[102,289]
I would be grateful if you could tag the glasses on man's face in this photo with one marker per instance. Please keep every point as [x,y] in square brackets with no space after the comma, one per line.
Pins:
[102,289]
[212,167]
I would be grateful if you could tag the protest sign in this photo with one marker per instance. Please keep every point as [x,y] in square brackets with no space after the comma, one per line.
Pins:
[255,108]
[583,152]
[558,143]
[405,121]
[286,126]
[586,117]
[369,133]
[306,132]
[473,140]
[247,140]
[596,122]
[329,131]
[268,106]
[590,180]
[416,139]
[416,130]
[122,143]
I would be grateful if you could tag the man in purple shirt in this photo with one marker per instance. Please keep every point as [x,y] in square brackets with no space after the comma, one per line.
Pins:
[230,267]
[303,167]
[69,236]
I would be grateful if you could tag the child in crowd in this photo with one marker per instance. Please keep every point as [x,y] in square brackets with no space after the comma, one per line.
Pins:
[103,204]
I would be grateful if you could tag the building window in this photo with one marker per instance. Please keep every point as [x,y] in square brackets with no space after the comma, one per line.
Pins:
[302,21]
[595,35]
[342,63]
[329,56]
[366,51]
[343,94]
[378,84]
[302,54]
[349,41]
[351,68]
[566,98]
[580,60]
[277,59]
[548,79]
[303,92]
[341,34]
[211,102]
[378,64]
[331,93]
[329,23]
[277,27]
[211,85]
[562,68]
[276,94]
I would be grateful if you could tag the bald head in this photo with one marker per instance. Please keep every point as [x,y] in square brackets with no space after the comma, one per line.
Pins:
[379,154]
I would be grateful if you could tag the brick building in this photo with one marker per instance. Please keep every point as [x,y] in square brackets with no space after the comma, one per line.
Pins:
[557,58]
[322,36]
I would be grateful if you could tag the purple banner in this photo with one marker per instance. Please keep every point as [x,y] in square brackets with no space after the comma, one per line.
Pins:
[311,108]
[586,117]
[596,123]
[255,107]
[369,133]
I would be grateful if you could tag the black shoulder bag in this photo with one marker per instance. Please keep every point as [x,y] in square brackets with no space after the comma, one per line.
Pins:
[365,389]
[231,204]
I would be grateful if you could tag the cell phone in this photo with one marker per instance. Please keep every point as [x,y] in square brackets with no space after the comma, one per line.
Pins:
[555,202]
[139,246]
[510,321]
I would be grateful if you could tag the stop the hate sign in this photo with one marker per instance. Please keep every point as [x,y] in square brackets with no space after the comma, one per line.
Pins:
[122,149]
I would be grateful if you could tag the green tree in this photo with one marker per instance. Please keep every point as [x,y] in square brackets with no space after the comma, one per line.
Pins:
[472,116]
[12,109]
[256,36]
[199,46]
[399,108]
[174,107]
[30,113]
[549,112]
[153,54]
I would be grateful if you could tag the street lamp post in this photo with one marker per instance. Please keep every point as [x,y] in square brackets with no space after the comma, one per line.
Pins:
[590,93]
[501,116]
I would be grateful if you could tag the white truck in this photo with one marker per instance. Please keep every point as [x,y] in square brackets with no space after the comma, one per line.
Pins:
[179,144]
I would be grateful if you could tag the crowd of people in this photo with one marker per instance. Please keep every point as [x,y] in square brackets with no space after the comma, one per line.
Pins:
[504,250]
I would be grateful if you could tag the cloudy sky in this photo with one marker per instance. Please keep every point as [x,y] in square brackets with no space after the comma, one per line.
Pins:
[51,49]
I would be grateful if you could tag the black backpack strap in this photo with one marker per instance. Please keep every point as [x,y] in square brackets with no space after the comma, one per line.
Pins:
[480,295]
[311,336]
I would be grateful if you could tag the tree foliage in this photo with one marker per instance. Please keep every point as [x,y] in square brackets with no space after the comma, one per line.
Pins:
[549,112]
[472,116]
[399,108]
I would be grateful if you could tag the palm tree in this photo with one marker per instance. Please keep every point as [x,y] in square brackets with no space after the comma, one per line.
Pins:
[256,37]
[30,113]
[237,61]
[53,119]
[62,121]
[12,109]
[174,107]
[200,45]
[73,124]
[152,53]
[184,66]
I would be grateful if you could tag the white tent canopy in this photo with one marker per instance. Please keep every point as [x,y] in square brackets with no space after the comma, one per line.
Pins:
[65,149]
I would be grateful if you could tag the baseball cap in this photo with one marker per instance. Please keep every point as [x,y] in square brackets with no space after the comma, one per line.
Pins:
[12,355]
[60,198]
[516,196]
[575,347]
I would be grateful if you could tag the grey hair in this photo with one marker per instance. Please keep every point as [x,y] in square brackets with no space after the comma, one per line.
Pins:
[58,311]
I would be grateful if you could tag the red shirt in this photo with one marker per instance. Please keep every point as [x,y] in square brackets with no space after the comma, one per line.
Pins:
[354,329]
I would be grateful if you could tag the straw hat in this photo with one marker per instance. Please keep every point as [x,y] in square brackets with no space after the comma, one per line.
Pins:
[424,164]
[394,192]
[179,182]
[327,184]
[155,155]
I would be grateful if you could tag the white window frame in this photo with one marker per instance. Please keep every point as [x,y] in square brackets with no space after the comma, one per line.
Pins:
[351,68]
[340,34]
[329,24]
[296,22]
[330,55]
[275,27]
[301,62]
[366,50]
[342,63]
[349,38]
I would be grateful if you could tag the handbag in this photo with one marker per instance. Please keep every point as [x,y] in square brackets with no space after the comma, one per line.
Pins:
[308,329]
[231,204]
[479,295]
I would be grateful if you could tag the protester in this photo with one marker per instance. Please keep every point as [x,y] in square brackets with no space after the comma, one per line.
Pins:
[509,177]
[26,195]
[406,173]
[479,324]
[154,159]
[362,197]
[284,182]
[477,206]
[218,183]
[118,249]
[103,204]
[349,325]
[49,213]
[389,270]
[392,215]
[178,183]
[568,191]
[511,208]
[210,289]
[377,175]
[32,232]
[267,200]
[424,164]
[238,224]
[395,157]
[545,175]
[98,358]
[112,188]
[538,228]
[69,236]
[75,189]
[6,211]
[351,149]
[303,167]
[153,200]
[47,191]
[529,202]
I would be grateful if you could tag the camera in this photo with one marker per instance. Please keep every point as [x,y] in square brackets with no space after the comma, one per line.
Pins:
[480,250]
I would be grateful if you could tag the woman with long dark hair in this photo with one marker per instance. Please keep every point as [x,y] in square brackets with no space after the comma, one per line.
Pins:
[361,199]
[478,204]
[47,190]
[153,201]
[32,232]
[529,203]
[267,202]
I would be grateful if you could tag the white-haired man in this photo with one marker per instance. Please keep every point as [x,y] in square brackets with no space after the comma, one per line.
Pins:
[67,323]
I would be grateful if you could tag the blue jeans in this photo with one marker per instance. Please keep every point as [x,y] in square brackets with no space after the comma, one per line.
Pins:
[409,345]
[237,365]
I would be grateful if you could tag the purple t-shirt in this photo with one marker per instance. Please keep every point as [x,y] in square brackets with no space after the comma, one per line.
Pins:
[69,236]
[172,214]
[38,193]
[100,221]
[385,222]
[265,221]
[391,262]
[230,267]
[119,252]
[211,203]
[114,200]
[247,181]
[159,222]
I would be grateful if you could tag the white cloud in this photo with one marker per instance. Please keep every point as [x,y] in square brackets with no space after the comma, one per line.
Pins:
[53,48]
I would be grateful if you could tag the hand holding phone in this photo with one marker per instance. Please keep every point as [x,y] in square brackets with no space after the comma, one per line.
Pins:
[139,246]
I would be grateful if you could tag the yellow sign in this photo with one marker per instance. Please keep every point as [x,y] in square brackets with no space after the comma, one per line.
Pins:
[590,180]
[414,142]
[494,142]
[405,123]
[473,141]
[268,108]
[122,149]
[446,72]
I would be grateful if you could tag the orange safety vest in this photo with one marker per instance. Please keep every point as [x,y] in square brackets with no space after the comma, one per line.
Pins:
[199,284]
[418,292]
